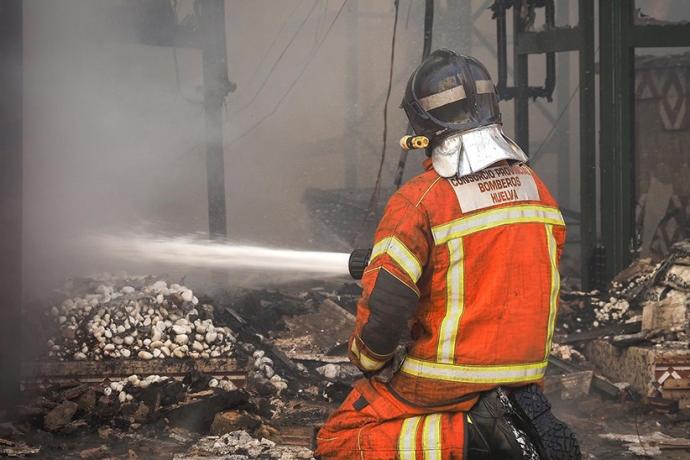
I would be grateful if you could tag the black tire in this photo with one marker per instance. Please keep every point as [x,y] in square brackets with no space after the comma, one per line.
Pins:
[557,439]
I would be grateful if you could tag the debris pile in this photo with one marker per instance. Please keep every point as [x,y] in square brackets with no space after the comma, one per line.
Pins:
[650,445]
[155,321]
[241,445]
[566,353]
[645,302]
[130,402]
[637,333]
[141,358]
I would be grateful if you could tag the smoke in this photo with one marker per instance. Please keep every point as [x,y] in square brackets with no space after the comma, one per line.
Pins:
[114,134]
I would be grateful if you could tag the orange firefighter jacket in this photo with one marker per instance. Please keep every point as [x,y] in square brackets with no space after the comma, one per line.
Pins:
[468,268]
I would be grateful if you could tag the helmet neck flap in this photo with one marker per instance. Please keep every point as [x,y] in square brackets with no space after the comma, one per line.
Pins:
[467,152]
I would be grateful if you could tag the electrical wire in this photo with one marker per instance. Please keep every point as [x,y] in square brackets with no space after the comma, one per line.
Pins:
[277,61]
[373,201]
[426,49]
[377,184]
[274,41]
[534,157]
[258,123]
[555,125]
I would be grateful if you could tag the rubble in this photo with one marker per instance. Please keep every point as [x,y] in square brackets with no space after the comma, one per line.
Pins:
[629,330]
[152,321]
[569,386]
[286,364]
[648,445]
[233,420]
[60,416]
[148,363]
[240,445]
[566,353]
[16,449]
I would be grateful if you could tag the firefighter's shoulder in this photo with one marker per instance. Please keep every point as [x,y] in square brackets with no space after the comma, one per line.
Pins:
[418,189]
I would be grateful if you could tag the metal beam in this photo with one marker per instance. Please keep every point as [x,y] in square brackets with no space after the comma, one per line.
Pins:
[216,87]
[661,36]
[11,51]
[555,40]
[489,47]
[616,140]
[588,169]
[563,92]
[521,83]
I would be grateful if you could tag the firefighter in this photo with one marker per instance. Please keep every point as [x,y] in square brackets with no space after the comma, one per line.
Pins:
[465,266]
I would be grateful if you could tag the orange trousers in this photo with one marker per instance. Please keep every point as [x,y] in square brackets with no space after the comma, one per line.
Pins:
[373,424]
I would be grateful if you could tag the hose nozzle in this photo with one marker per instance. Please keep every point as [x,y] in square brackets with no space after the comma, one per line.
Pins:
[359,259]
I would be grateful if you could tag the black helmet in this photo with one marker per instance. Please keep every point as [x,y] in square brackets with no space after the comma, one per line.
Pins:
[450,93]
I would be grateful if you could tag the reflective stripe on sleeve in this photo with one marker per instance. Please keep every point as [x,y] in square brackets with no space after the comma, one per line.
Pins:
[509,373]
[455,286]
[555,287]
[431,437]
[400,254]
[407,441]
[367,363]
[495,218]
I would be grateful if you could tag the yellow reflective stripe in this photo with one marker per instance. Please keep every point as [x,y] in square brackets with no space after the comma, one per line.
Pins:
[367,363]
[401,254]
[555,287]
[455,303]
[407,441]
[495,218]
[509,373]
[431,437]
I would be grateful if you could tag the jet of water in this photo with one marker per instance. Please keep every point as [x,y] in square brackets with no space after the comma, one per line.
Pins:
[221,255]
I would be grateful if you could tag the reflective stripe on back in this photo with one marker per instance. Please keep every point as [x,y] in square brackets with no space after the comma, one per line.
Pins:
[495,218]
[555,287]
[455,291]
[508,373]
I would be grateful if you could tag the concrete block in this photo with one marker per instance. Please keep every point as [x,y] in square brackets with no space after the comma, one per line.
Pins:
[646,368]
[670,314]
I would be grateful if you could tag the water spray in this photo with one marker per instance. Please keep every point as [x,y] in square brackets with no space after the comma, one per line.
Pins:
[221,255]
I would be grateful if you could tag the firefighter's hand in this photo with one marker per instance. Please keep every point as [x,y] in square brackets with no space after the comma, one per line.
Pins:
[386,373]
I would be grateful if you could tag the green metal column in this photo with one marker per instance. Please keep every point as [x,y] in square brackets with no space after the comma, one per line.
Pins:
[562,135]
[616,140]
[588,170]
[520,75]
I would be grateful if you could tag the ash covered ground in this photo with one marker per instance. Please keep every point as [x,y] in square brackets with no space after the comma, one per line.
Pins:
[144,367]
